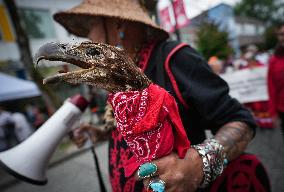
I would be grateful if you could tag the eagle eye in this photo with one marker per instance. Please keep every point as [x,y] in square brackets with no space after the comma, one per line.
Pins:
[92,52]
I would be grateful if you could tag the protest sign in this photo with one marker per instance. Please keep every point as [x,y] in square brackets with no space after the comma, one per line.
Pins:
[248,85]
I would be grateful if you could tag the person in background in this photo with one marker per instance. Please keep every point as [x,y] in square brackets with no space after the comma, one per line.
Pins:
[7,130]
[276,79]
[250,57]
[260,109]
[216,64]
[22,127]
[263,57]
[238,63]
[36,115]
[30,113]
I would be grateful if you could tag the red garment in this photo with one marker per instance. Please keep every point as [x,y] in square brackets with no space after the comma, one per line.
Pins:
[276,84]
[261,114]
[245,173]
[150,124]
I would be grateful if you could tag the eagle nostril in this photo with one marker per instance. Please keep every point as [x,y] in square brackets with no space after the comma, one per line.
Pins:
[92,52]
[63,46]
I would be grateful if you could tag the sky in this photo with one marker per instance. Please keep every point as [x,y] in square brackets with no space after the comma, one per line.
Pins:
[195,7]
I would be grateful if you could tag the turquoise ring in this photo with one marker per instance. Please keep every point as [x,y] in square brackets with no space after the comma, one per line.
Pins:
[157,185]
[147,170]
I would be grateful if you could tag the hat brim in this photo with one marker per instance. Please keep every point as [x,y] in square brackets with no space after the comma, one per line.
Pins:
[79,23]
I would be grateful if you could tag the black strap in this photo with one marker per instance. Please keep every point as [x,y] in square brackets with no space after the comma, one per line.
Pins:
[96,161]
[156,67]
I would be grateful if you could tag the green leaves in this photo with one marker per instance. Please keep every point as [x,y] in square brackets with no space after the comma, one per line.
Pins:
[268,11]
[213,42]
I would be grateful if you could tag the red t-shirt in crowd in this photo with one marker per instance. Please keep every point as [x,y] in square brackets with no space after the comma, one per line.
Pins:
[276,84]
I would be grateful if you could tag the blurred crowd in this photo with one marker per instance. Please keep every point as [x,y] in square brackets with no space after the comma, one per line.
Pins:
[251,57]
[16,126]
[267,113]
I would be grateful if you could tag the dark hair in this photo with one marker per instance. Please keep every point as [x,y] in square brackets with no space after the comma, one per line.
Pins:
[279,51]
[280,25]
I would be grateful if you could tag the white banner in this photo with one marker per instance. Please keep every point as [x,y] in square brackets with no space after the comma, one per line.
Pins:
[248,85]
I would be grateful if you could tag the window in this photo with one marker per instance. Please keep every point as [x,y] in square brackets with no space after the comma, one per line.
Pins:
[260,30]
[37,23]
[249,29]
[239,29]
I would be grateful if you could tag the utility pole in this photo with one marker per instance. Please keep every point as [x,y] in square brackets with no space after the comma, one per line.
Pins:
[50,98]
[177,32]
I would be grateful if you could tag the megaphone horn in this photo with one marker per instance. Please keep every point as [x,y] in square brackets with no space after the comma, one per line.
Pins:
[28,161]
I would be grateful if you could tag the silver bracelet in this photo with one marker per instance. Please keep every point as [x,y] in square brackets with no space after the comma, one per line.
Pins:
[213,158]
[218,159]
[206,165]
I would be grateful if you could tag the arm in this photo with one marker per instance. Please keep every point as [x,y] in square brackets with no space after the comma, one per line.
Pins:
[207,95]
[235,137]
[79,135]
[187,174]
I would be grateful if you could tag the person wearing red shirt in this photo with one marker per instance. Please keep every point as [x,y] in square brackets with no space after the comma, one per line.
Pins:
[276,78]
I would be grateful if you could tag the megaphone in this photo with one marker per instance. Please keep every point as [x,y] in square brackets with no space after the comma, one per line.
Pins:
[28,161]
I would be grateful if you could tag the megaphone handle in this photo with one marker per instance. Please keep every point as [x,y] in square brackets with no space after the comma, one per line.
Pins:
[96,162]
[101,182]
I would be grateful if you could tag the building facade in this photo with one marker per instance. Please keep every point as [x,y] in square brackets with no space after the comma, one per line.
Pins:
[242,31]
[36,17]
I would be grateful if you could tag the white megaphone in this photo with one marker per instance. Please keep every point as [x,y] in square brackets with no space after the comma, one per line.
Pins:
[28,161]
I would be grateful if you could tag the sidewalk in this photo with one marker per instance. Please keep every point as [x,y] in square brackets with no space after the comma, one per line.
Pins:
[73,175]
[268,146]
[78,174]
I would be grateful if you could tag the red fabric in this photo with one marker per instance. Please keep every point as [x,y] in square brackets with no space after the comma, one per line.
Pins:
[119,155]
[261,114]
[145,54]
[246,173]
[276,85]
[180,14]
[150,124]
[171,76]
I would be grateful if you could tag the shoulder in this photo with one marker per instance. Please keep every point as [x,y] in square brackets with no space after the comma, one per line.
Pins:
[272,59]
[179,48]
[187,58]
[179,52]
[5,116]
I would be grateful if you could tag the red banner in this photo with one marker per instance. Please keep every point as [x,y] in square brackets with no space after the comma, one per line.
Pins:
[180,14]
[165,19]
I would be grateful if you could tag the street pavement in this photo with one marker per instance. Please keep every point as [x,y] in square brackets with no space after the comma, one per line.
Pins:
[78,174]
[268,145]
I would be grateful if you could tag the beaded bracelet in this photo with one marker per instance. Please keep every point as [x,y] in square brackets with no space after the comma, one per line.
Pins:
[213,158]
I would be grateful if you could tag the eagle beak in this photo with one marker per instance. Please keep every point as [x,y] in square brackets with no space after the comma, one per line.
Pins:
[51,52]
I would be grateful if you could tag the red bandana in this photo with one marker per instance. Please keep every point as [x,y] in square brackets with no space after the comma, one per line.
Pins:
[150,124]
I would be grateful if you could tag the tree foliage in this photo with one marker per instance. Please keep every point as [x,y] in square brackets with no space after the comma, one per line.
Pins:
[213,42]
[31,23]
[270,38]
[268,11]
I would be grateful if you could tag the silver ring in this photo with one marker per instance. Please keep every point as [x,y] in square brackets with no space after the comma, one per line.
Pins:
[157,185]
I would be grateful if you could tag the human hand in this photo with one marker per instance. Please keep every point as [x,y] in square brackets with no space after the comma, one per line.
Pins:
[179,174]
[80,135]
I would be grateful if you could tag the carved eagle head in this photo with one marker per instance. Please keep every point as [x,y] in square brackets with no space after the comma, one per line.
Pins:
[101,65]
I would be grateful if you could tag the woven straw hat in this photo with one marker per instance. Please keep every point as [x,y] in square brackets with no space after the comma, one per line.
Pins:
[77,20]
